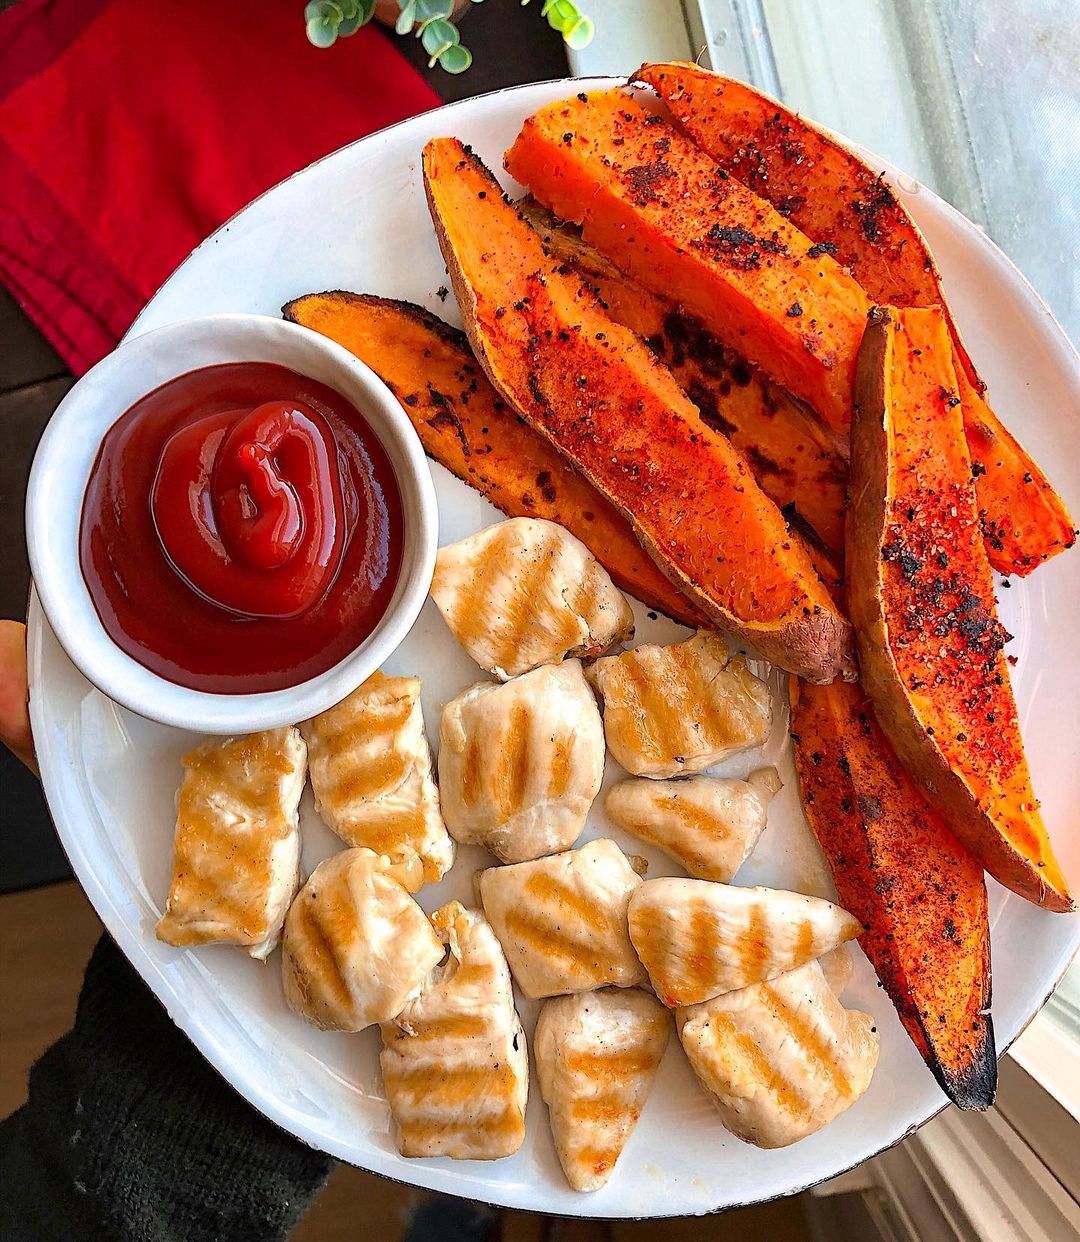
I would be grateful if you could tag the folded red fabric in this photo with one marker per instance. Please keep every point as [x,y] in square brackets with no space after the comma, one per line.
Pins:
[129,131]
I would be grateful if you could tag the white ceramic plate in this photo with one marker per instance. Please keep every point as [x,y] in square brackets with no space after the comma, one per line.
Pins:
[357,220]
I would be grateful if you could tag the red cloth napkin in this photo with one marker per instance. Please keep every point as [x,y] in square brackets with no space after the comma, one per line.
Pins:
[129,131]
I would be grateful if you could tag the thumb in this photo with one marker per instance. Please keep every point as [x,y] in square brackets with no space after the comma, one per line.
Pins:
[14,709]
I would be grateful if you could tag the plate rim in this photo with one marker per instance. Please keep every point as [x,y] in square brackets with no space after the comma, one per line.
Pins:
[130,939]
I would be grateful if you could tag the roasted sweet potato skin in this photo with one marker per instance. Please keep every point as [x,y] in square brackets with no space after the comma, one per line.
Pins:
[603,399]
[918,893]
[788,452]
[466,426]
[921,594]
[659,208]
[846,206]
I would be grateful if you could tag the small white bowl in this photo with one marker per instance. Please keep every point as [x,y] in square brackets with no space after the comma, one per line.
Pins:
[61,470]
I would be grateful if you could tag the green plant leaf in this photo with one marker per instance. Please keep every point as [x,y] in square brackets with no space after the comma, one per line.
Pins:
[562,14]
[579,35]
[406,17]
[456,59]
[322,10]
[437,36]
[429,10]
[322,32]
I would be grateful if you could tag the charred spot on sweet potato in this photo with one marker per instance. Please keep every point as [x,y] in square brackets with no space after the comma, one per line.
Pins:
[613,410]
[466,427]
[852,214]
[922,597]
[918,893]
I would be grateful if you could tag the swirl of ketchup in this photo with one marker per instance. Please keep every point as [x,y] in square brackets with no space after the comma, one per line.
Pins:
[242,529]
[249,506]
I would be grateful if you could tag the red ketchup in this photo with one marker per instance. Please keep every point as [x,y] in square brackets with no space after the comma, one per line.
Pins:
[241,529]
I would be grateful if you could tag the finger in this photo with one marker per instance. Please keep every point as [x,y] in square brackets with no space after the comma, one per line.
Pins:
[14,707]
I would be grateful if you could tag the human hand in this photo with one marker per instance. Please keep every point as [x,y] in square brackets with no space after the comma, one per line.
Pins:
[14,706]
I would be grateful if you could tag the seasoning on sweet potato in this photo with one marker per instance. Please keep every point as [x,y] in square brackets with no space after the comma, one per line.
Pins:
[661,210]
[849,210]
[918,893]
[921,595]
[466,427]
[787,450]
[602,398]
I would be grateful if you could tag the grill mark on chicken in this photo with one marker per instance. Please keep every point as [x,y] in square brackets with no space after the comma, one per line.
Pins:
[598,1109]
[513,777]
[425,1131]
[375,778]
[470,610]
[518,611]
[807,1037]
[561,899]
[598,1159]
[648,717]
[450,1086]
[472,772]
[537,934]
[199,886]
[701,939]
[375,722]
[698,819]
[610,1066]
[753,944]
[322,958]
[559,777]
[405,827]
[474,975]
[743,1050]
[451,1026]
[804,941]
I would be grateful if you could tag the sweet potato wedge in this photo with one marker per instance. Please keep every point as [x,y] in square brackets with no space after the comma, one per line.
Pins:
[466,427]
[918,893]
[661,210]
[787,450]
[846,206]
[605,401]
[921,595]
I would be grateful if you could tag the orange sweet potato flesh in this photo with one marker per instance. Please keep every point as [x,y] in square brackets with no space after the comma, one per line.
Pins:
[921,594]
[918,893]
[660,209]
[604,400]
[465,425]
[785,447]
[836,198]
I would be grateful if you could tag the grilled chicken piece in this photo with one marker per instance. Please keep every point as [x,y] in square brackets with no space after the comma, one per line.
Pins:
[236,856]
[526,592]
[698,939]
[780,1059]
[371,774]
[709,824]
[562,920]
[837,966]
[454,1061]
[520,763]
[357,947]
[597,1054]
[670,710]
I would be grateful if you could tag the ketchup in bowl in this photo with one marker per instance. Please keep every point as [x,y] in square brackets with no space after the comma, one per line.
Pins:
[241,530]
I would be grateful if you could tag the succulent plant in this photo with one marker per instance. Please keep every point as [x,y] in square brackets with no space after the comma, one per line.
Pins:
[329,20]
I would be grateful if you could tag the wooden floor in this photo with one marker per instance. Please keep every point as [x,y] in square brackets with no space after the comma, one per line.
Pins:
[46,936]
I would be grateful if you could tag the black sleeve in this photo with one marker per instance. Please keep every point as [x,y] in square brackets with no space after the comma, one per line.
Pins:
[130,1135]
